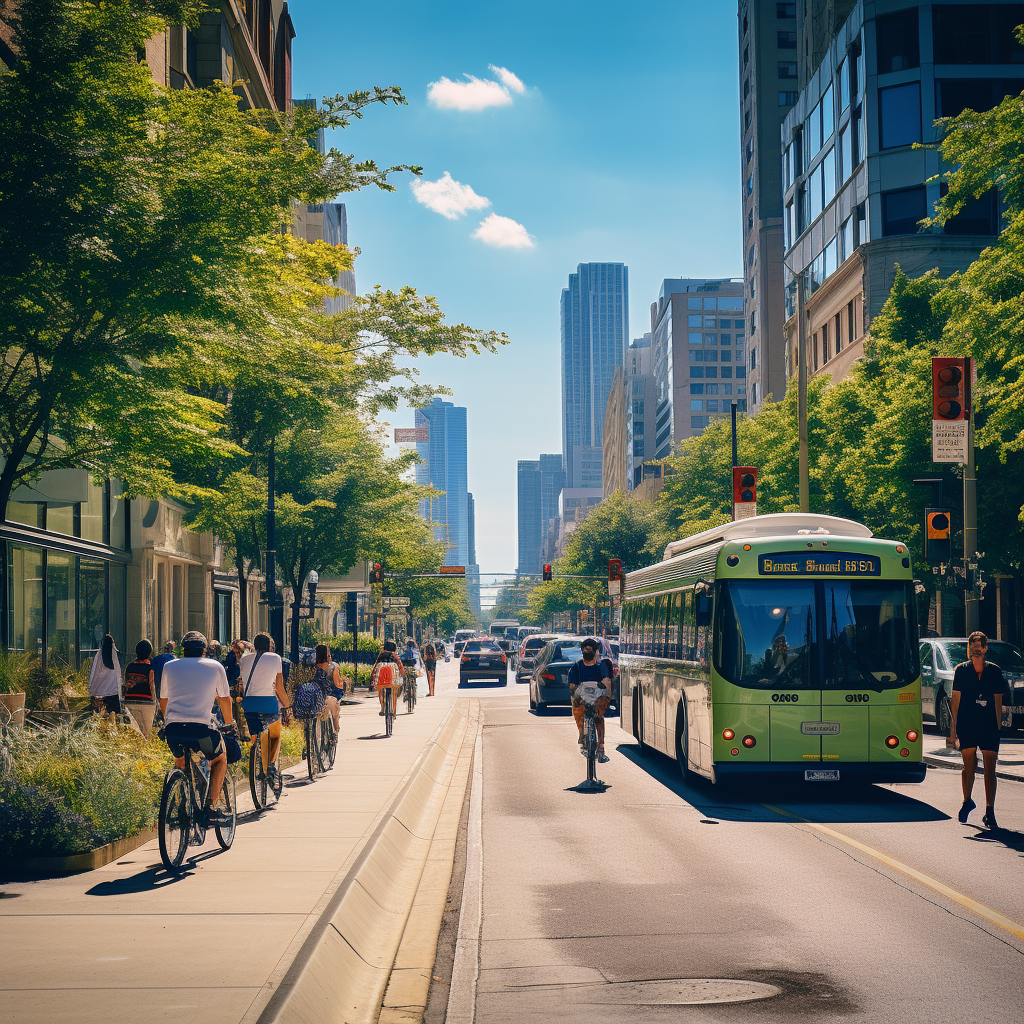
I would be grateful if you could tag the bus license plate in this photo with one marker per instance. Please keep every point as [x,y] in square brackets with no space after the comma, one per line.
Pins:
[821,775]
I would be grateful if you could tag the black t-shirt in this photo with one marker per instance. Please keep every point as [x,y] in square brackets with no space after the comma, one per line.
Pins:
[136,683]
[977,694]
[580,672]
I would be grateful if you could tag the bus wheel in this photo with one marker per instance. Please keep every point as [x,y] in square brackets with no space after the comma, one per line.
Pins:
[682,743]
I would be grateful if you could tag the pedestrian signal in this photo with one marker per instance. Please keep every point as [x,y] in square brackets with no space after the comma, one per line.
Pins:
[937,536]
[376,573]
[744,492]
[547,573]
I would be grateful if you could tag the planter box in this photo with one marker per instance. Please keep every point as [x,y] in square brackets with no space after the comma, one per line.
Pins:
[15,704]
[49,867]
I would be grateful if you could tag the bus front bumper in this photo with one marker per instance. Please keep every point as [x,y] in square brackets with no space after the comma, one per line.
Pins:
[854,771]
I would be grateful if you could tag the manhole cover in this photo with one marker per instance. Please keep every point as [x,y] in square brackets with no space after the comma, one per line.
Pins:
[680,992]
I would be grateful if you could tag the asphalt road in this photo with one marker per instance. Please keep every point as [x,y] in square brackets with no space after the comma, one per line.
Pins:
[872,903]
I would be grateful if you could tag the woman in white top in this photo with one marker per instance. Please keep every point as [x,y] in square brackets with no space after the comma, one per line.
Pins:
[261,681]
[105,678]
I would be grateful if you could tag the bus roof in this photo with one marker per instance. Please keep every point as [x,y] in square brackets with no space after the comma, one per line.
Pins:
[778,524]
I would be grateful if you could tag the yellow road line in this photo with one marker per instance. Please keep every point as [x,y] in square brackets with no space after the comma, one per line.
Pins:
[919,876]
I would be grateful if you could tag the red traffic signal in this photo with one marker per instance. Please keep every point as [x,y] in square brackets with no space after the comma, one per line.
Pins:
[951,389]
[547,573]
[614,568]
[376,573]
[744,485]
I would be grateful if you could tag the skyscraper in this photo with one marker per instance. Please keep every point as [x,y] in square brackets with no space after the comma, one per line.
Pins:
[539,484]
[472,568]
[443,467]
[594,328]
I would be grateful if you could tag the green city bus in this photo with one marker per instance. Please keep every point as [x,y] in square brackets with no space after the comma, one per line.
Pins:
[780,645]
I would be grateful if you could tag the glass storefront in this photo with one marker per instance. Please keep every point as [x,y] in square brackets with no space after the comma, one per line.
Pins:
[92,597]
[60,608]
[25,599]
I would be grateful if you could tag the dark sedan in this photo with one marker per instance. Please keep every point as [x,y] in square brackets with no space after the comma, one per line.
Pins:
[549,682]
[482,659]
[528,653]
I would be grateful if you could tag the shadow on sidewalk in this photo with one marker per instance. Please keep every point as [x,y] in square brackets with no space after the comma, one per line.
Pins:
[1007,837]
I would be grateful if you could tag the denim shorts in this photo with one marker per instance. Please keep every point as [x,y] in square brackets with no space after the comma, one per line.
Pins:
[257,721]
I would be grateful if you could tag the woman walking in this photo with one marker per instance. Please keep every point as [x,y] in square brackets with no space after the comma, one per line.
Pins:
[430,664]
[105,679]
[140,688]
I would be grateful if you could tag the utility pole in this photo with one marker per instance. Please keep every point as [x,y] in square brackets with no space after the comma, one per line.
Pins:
[275,606]
[971,608]
[801,335]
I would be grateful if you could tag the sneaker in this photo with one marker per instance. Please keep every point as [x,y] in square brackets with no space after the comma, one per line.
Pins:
[602,756]
[215,816]
[989,819]
[380,714]
[968,806]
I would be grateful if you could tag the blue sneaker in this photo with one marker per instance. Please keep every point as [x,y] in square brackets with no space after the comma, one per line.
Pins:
[968,806]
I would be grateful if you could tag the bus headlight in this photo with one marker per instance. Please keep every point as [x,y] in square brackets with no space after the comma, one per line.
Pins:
[749,741]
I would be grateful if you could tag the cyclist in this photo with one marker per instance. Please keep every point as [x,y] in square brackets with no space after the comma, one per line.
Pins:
[430,664]
[261,676]
[328,678]
[410,663]
[188,689]
[590,683]
[387,674]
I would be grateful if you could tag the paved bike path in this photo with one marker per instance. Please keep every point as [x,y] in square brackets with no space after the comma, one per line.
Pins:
[128,942]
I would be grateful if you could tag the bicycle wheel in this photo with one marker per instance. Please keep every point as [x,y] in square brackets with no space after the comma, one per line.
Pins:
[226,833]
[257,776]
[389,715]
[591,751]
[175,820]
[327,743]
[312,755]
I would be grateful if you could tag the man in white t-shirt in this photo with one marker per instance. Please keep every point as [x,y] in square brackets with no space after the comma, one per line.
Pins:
[188,689]
[261,679]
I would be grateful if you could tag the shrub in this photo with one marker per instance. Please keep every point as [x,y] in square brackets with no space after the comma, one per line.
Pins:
[37,823]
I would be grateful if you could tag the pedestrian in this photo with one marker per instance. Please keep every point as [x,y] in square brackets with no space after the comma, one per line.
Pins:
[140,688]
[159,661]
[105,678]
[976,707]
[430,664]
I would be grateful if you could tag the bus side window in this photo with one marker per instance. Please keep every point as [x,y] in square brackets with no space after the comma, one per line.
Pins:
[688,628]
[648,639]
[630,617]
[659,625]
[672,650]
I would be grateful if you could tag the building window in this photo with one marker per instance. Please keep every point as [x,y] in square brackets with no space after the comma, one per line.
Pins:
[638,387]
[787,99]
[899,109]
[785,10]
[696,372]
[786,40]
[694,320]
[978,217]
[815,349]
[638,449]
[902,209]
[753,392]
[696,405]
[710,321]
[844,85]
[696,389]
[787,69]
[749,150]
[726,355]
[746,88]
[750,185]
[824,343]
[753,321]
[846,240]
[852,320]
[828,121]
[828,177]
[838,332]
[727,370]
[750,220]
[741,373]
[750,257]
[976,34]
[695,337]
[699,422]
[746,119]
[753,358]
[638,428]
[897,42]
[846,151]
[746,55]
[638,407]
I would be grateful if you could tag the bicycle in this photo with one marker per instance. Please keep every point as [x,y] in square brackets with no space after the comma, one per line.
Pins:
[311,739]
[328,743]
[409,690]
[264,786]
[389,714]
[182,823]
[590,748]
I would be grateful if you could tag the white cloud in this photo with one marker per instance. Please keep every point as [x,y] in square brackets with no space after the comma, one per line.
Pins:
[473,94]
[514,82]
[448,197]
[503,233]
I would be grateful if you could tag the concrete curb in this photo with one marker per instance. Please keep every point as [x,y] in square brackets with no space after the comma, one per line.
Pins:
[940,762]
[342,969]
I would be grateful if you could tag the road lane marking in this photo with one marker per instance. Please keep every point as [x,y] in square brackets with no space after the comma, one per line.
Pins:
[932,883]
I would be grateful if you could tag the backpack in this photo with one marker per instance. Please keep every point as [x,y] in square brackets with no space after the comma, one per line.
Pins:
[325,680]
[309,700]
[408,656]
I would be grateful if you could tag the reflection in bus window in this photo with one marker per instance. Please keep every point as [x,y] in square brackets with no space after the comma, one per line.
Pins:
[689,630]
[672,650]
[659,626]
[767,634]
[871,634]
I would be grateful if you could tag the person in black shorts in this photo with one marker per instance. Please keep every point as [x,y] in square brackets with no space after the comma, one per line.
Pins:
[976,705]
[430,664]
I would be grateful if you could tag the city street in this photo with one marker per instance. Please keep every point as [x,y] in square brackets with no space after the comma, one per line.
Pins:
[852,903]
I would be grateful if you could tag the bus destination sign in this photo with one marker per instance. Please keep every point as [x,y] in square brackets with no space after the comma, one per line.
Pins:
[818,563]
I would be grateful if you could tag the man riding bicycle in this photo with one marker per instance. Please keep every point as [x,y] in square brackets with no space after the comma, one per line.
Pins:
[410,663]
[188,689]
[590,683]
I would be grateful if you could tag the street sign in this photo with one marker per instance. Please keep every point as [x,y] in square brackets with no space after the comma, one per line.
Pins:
[396,602]
[412,435]
[452,570]
[951,409]
[744,492]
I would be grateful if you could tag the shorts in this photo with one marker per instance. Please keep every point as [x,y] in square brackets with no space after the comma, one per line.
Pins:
[208,741]
[258,721]
[112,703]
[983,735]
[430,666]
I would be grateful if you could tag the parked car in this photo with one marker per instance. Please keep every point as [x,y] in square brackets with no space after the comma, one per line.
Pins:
[482,659]
[549,680]
[940,657]
[526,657]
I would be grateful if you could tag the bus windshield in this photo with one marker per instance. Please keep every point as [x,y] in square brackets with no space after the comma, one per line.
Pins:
[769,631]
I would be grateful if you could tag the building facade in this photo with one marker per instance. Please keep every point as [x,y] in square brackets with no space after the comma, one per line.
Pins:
[336,233]
[472,568]
[855,186]
[641,404]
[443,466]
[615,459]
[698,345]
[594,318]
[538,485]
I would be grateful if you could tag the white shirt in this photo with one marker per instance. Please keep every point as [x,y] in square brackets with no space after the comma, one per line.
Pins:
[264,679]
[103,681]
[190,686]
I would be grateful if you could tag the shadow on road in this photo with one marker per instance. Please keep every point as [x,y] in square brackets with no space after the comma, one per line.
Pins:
[1007,837]
[829,803]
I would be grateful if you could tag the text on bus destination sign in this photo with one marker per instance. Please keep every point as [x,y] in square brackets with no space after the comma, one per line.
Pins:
[818,563]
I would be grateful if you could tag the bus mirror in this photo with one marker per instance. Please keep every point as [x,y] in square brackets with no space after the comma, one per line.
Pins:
[702,603]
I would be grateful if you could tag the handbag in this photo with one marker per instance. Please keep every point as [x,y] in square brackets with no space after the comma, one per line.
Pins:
[232,747]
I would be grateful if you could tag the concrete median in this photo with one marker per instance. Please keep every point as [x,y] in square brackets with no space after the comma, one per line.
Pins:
[389,901]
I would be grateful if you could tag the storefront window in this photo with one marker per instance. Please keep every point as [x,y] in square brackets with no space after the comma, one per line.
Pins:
[60,519]
[94,513]
[92,617]
[118,515]
[25,599]
[116,604]
[60,608]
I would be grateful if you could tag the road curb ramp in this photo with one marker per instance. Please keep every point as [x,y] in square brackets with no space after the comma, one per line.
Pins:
[342,971]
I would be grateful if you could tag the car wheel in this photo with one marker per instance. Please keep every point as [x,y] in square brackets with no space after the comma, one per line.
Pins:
[533,703]
[541,707]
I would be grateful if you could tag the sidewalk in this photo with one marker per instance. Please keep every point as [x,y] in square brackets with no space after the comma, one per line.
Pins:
[1009,765]
[128,942]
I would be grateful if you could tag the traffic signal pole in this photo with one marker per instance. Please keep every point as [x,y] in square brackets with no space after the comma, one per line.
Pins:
[971,606]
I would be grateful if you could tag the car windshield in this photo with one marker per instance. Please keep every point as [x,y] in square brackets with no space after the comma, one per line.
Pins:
[1006,656]
[473,646]
[769,632]
[534,645]
[568,652]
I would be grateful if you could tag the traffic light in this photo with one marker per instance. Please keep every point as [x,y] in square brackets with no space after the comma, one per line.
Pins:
[547,573]
[937,536]
[376,573]
[744,492]
[951,390]
[614,568]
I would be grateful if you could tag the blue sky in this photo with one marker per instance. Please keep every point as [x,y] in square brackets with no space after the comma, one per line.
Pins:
[616,138]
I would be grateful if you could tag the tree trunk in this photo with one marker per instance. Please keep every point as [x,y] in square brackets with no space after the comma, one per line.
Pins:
[243,596]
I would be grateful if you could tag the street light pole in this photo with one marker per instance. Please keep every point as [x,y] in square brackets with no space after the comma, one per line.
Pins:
[275,614]
[972,611]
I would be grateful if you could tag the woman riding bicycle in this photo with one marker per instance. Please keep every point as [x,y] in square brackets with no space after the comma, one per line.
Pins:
[328,678]
[261,677]
[387,674]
